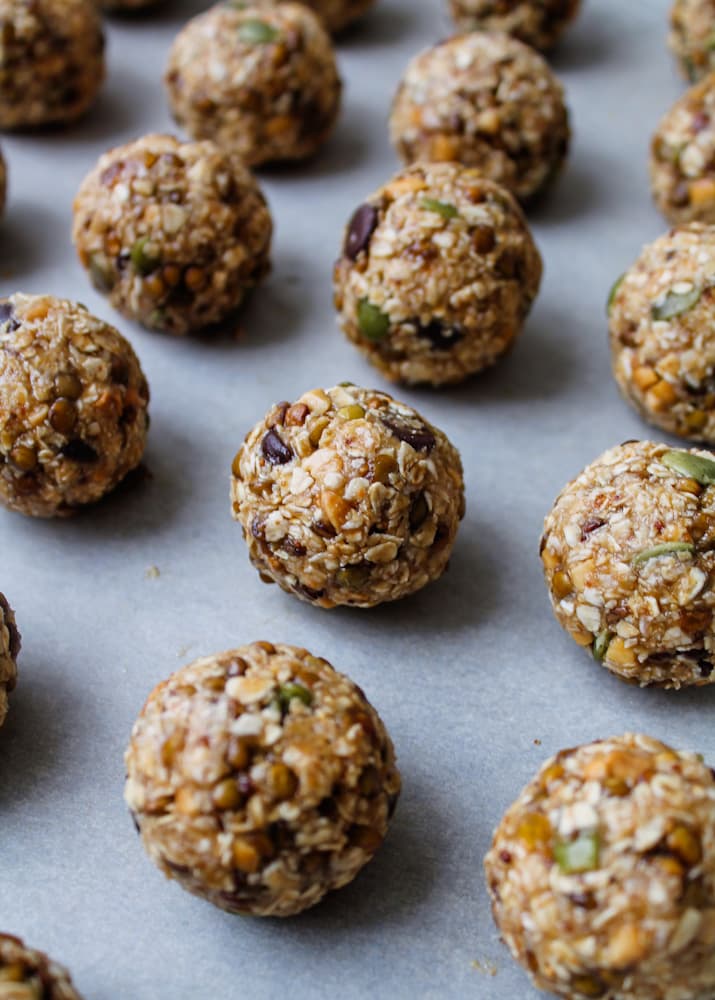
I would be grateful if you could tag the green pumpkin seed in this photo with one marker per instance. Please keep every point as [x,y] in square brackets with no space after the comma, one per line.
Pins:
[444,208]
[666,549]
[601,644]
[287,692]
[142,258]
[613,292]
[256,32]
[675,304]
[580,855]
[373,322]
[101,273]
[702,470]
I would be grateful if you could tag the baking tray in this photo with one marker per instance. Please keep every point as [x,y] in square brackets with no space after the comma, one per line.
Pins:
[474,678]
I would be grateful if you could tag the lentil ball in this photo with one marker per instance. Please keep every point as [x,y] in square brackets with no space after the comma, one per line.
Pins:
[629,558]
[260,80]
[486,101]
[347,497]
[9,648]
[662,333]
[27,974]
[261,779]
[73,406]
[682,162]
[174,233]
[602,873]
[692,24]
[537,22]
[437,275]
[51,61]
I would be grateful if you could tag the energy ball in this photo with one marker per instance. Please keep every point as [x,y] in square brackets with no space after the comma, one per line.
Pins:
[539,23]
[260,80]
[692,24]
[26,974]
[73,406]
[174,233]
[348,497]
[682,161]
[437,274]
[486,101]
[662,333]
[629,557]
[337,15]
[51,61]
[9,648]
[261,779]
[602,873]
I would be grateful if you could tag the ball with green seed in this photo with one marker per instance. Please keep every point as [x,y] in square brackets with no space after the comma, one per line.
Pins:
[692,37]
[29,974]
[662,332]
[347,497]
[437,274]
[73,406]
[261,779]
[539,23]
[486,101]
[51,61]
[9,648]
[259,79]
[174,233]
[629,559]
[602,873]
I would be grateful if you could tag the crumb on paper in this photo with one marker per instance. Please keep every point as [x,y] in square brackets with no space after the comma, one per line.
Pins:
[537,741]
[152,573]
[485,966]
[184,650]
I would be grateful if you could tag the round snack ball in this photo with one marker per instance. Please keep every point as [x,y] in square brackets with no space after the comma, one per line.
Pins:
[337,15]
[682,162]
[348,497]
[51,61]
[26,974]
[692,23]
[662,332]
[174,233]
[9,648]
[261,779]
[537,22]
[486,101]
[73,406]
[437,275]
[260,80]
[602,873]
[629,554]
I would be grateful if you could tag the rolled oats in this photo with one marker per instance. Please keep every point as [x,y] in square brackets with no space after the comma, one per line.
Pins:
[602,873]
[73,406]
[261,779]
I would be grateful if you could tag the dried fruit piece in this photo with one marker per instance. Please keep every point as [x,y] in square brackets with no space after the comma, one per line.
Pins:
[275,450]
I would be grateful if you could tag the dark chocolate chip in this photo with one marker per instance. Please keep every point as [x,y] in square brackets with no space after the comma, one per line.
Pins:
[418,436]
[275,450]
[7,315]
[442,338]
[79,451]
[360,230]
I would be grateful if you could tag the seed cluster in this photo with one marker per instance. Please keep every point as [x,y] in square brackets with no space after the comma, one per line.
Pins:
[261,779]
[537,22]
